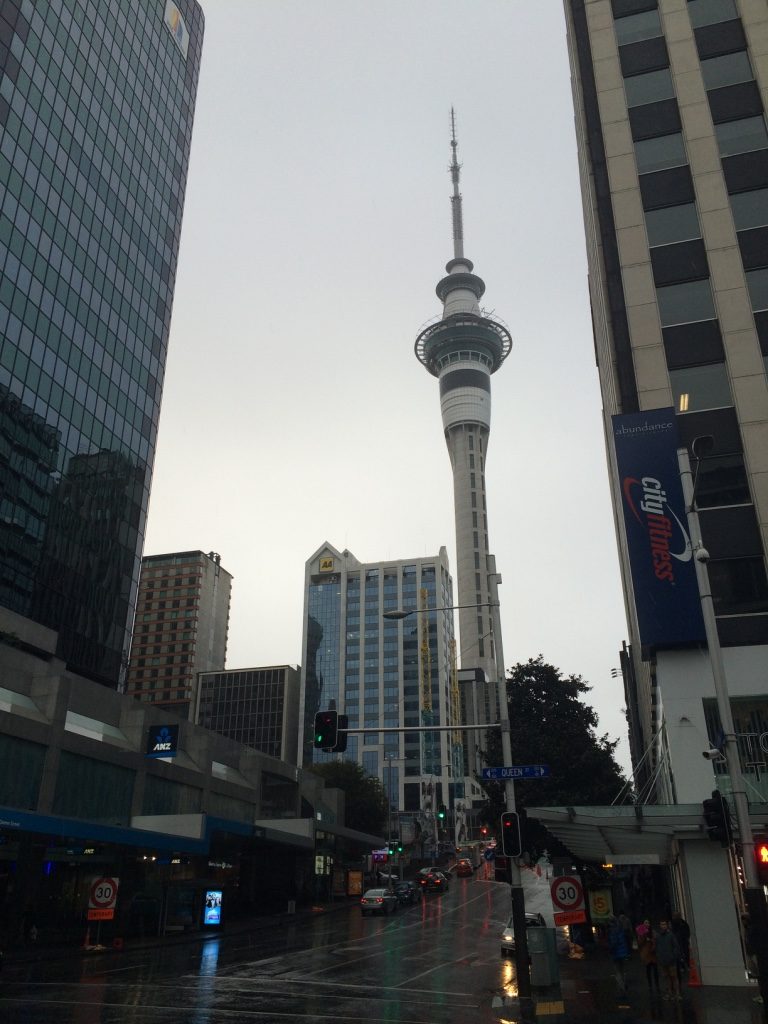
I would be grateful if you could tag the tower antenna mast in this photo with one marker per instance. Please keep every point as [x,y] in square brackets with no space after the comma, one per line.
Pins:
[455,168]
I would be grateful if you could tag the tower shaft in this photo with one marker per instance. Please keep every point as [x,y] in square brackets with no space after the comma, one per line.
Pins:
[462,349]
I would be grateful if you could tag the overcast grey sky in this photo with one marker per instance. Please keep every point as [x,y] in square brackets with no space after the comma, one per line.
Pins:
[316,227]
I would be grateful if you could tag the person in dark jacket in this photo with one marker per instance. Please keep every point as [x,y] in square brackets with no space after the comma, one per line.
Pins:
[682,932]
[667,957]
[620,951]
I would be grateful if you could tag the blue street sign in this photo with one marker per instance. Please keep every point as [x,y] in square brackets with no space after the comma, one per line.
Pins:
[517,771]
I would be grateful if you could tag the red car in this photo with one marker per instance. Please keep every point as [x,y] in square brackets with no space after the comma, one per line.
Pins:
[464,869]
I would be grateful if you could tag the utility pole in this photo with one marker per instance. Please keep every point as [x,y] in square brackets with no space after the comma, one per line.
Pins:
[753,891]
[516,886]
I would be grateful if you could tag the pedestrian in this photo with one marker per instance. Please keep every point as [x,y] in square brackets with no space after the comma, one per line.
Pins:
[682,932]
[626,924]
[646,945]
[667,957]
[620,951]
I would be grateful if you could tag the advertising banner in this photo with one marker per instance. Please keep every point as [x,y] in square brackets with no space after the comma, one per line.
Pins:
[212,907]
[660,555]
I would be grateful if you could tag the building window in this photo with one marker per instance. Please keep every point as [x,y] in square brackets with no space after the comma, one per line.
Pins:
[685,303]
[700,387]
[661,152]
[711,12]
[672,224]
[636,27]
[649,88]
[750,209]
[739,585]
[729,69]
[757,282]
[741,136]
[722,480]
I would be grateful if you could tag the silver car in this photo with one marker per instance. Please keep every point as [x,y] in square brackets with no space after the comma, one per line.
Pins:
[508,935]
[378,901]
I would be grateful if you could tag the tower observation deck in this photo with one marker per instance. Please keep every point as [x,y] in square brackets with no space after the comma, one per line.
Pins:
[462,348]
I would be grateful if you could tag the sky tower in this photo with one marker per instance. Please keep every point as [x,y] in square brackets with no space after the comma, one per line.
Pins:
[462,349]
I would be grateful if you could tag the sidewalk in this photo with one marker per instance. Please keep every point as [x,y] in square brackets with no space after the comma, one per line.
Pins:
[32,954]
[588,993]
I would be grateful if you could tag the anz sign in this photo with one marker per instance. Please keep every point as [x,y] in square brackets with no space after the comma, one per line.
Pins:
[163,741]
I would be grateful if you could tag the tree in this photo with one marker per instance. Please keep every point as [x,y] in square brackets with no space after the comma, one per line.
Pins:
[365,802]
[551,725]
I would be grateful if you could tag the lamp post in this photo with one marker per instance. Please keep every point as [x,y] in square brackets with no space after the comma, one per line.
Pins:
[753,891]
[389,760]
[516,886]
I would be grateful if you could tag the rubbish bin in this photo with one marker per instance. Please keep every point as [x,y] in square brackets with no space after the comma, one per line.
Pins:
[542,949]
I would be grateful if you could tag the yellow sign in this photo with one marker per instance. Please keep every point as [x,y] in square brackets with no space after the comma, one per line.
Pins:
[326,564]
[600,905]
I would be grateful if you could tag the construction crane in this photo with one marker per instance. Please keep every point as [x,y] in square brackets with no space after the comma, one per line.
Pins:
[427,717]
[457,746]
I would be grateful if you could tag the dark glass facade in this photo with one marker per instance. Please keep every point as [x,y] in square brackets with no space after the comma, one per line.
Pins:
[248,705]
[96,109]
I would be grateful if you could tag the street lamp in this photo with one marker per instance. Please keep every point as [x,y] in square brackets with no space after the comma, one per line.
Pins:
[516,887]
[753,890]
[389,760]
[403,613]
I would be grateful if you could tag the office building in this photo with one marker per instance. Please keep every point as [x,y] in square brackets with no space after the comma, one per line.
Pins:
[258,707]
[96,111]
[673,154]
[182,625]
[384,671]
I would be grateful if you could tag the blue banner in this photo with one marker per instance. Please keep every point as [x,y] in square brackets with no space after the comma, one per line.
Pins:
[660,555]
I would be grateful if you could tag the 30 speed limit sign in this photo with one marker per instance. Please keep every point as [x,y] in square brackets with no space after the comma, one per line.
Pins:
[568,900]
[102,897]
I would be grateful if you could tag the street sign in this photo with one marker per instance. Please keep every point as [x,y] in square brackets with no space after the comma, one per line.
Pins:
[517,771]
[102,897]
[568,900]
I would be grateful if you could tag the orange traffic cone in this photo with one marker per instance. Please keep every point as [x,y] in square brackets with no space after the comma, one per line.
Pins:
[694,981]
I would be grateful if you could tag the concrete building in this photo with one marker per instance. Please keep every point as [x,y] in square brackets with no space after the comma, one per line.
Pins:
[462,348]
[94,783]
[385,672]
[96,112]
[181,630]
[673,153]
[258,707]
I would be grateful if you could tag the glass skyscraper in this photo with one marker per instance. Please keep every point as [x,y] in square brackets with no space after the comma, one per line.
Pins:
[96,110]
[384,672]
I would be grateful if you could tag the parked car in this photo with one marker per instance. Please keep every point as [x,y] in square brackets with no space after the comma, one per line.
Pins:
[433,881]
[407,892]
[378,901]
[508,935]
[464,868]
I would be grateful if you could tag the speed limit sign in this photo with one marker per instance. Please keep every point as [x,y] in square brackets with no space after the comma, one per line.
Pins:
[568,900]
[102,897]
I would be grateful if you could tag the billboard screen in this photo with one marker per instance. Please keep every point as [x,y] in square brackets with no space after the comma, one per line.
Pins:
[212,908]
[660,554]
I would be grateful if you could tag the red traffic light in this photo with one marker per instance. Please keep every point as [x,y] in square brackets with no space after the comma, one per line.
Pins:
[761,853]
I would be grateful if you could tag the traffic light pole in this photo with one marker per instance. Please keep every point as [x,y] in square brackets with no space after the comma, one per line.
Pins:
[753,892]
[516,882]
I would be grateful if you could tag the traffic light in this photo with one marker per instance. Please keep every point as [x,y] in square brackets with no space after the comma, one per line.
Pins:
[717,817]
[511,840]
[331,732]
[399,846]
[326,730]
[483,831]
[341,735]
[761,858]
[441,812]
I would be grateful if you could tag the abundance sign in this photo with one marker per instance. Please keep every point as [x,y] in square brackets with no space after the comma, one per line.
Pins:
[568,900]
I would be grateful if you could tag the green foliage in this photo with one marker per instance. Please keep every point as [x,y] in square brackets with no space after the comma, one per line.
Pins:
[365,800]
[551,725]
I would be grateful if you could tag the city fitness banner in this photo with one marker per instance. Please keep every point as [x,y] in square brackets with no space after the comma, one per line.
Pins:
[660,555]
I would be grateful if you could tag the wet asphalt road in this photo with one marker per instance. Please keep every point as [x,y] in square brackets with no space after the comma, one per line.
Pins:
[434,963]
